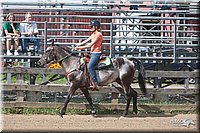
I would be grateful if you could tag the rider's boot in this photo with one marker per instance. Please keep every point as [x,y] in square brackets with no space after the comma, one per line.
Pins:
[94,86]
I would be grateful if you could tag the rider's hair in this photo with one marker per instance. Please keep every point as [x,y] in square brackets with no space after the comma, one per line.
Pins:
[98,29]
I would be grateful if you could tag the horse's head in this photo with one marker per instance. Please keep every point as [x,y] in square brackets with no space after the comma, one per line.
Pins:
[47,58]
[54,54]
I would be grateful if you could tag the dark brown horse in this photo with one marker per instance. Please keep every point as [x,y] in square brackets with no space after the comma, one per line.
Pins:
[122,71]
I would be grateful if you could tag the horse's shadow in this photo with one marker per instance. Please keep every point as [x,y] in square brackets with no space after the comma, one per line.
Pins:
[156,112]
[140,115]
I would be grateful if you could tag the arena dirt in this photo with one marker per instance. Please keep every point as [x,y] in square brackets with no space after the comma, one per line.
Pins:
[76,123]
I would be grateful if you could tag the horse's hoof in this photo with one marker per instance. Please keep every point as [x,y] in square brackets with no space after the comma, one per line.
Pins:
[121,117]
[61,115]
[93,115]
[135,112]
[62,112]
[93,112]
[125,113]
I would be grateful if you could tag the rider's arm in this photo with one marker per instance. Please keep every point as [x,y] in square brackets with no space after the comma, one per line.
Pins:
[89,45]
[85,41]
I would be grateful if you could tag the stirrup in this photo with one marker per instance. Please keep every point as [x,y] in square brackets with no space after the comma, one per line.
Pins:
[94,88]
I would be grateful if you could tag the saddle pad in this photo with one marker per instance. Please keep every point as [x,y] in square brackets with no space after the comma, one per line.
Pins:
[104,61]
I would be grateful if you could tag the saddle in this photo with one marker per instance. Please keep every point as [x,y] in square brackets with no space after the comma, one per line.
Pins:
[103,63]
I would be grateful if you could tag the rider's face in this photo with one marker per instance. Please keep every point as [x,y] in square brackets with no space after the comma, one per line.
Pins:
[92,28]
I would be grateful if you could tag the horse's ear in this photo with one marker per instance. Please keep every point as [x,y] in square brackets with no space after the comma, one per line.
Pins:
[49,48]
[52,42]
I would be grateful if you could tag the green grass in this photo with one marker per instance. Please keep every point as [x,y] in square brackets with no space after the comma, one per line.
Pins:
[39,79]
[51,111]
[55,111]
[60,81]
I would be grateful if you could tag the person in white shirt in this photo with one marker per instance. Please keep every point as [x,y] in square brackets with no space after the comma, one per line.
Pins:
[29,32]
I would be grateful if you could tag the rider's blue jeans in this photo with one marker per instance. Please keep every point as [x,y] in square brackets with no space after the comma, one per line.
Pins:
[35,41]
[94,58]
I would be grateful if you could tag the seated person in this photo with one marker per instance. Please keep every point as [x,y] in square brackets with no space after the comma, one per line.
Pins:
[29,32]
[11,31]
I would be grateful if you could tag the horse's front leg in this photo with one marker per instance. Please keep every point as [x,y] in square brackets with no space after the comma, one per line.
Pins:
[134,95]
[89,99]
[71,91]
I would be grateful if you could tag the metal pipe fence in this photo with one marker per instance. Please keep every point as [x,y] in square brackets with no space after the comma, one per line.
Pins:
[113,38]
[130,33]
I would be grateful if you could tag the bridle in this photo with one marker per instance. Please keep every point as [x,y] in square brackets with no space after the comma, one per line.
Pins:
[60,60]
[55,60]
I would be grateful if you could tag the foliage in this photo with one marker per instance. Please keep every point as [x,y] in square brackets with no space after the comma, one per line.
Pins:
[39,78]
[55,66]
[55,111]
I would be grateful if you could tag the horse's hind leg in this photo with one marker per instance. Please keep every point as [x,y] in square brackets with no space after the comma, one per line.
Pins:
[68,98]
[89,99]
[127,94]
[128,100]
[134,95]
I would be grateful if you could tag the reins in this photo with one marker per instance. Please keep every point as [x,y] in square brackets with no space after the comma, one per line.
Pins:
[69,70]
[60,60]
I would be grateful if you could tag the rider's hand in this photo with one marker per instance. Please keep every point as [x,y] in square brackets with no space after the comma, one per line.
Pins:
[78,44]
[77,48]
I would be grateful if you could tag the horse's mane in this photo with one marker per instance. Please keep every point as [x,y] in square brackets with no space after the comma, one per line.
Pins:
[67,49]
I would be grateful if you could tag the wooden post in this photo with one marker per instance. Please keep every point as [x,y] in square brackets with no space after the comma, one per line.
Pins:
[187,83]
[114,96]
[197,81]
[158,84]
[33,96]
[20,94]
[8,78]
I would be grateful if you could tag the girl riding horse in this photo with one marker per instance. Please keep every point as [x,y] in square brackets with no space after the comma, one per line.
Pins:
[94,45]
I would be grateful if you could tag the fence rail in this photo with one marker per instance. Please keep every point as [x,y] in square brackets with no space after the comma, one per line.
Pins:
[149,73]
[174,89]
[163,89]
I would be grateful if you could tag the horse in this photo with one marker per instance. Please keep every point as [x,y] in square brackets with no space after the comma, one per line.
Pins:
[121,71]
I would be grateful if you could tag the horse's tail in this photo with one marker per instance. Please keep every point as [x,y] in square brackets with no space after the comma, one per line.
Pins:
[141,76]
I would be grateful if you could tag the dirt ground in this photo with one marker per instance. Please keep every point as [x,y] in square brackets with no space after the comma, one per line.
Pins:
[79,123]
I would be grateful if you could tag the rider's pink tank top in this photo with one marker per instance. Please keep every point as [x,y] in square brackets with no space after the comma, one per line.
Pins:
[97,45]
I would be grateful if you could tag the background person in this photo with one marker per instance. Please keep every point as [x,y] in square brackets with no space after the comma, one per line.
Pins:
[29,32]
[11,31]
